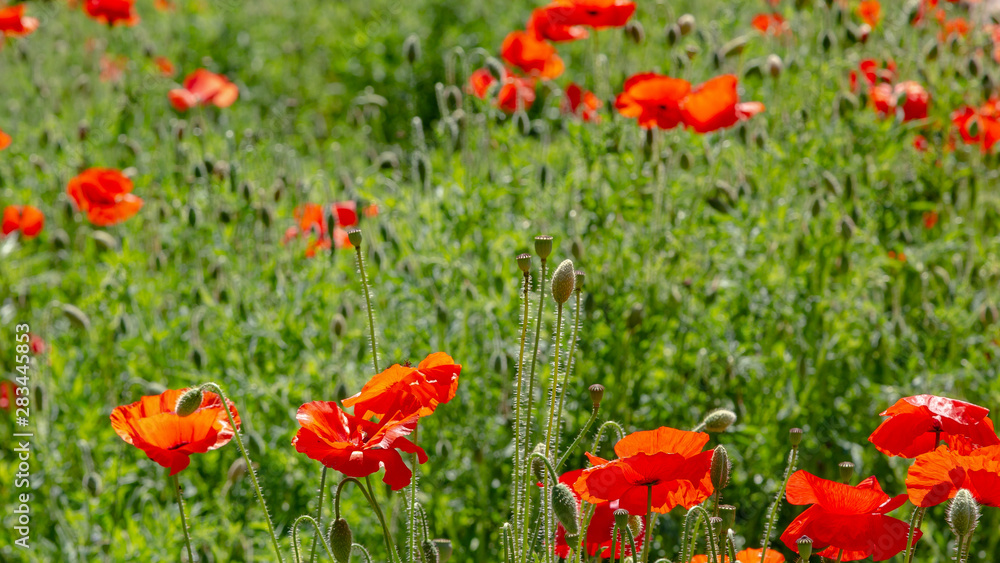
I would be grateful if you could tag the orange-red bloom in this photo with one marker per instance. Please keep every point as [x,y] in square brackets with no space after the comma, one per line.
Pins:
[543,27]
[938,476]
[354,446]
[13,22]
[5,140]
[930,218]
[165,66]
[597,14]
[203,87]
[958,27]
[842,517]
[599,530]
[7,392]
[113,67]
[532,55]
[479,83]
[27,219]
[407,389]
[104,195]
[870,11]
[746,556]
[980,125]
[666,461]
[516,93]
[915,423]
[151,425]
[654,99]
[716,105]
[771,23]
[112,12]
[581,102]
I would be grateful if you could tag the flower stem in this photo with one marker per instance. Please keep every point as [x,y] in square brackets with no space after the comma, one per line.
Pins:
[529,393]
[319,535]
[368,306]
[180,505]
[569,368]
[518,439]
[319,515]
[583,432]
[840,556]
[646,547]
[555,382]
[915,520]
[391,545]
[773,513]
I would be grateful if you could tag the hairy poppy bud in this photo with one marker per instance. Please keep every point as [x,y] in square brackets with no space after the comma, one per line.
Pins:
[189,402]
[338,325]
[720,468]
[774,65]
[576,249]
[963,513]
[444,550]
[686,24]
[524,263]
[543,246]
[537,465]
[429,551]
[522,122]
[354,236]
[635,32]
[565,508]
[719,420]
[563,281]
[580,277]
[411,49]
[340,540]
[805,547]
[93,484]
[673,34]
[728,514]
[846,471]
[795,437]
[635,525]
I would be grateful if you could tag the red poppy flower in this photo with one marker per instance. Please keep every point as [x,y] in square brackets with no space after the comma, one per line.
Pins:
[113,67]
[930,219]
[543,27]
[581,102]
[938,476]
[354,446]
[870,11]
[654,99]
[7,392]
[311,218]
[203,87]
[842,517]
[915,100]
[771,23]
[979,125]
[914,424]
[598,14]
[874,73]
[533,56]
[479,83]
[411,390]
[165,66]
[104,195]
[922,145]
[38,345]
[516,93]
[112,12]
[13,22]
[668,460]
[599,530]
[151,425]
[346,213]
[958,27]
[746,556]
[5,140]
[27,219]
[164,5]
[716,105]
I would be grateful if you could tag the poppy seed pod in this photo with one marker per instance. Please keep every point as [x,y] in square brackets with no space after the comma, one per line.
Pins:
[963,513]
[563,281]
[340,538]
[537,465]
[543,246]
[720,468]
[444,550]
[580,278]
[805,546]
[795,437]
[565,508]
[621,517]
[354,236]
[728,514]
[846,471]
[686,24]
[524,263]
[429,551]
[719,420]
[596,394]
[411,48]
[189,402]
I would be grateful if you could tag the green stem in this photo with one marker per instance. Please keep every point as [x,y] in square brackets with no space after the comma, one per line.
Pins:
[555,382]
[390,545]
[614,541]
[569,368]
[631,541]
[368,306]
[583,431]
[915,521]
[773,513]
[413,503]
[516,500]
[600,433]
[319,534]
[731,545]
[180,505]
[646,548]
[319,515]
[840,556]
[529,392]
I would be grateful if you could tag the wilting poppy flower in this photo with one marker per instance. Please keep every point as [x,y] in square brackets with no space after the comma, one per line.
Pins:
[479,83]
[670,462]
[533,56]
[203,87]
[112,12]
[771,23]
[516,93]
[938,476]
[930,219]
[597,14]
[13,22]
[7,392]
[716,105]
[653,99]
[354,446]
[842,517]
[27,219]
[581,102]
[151,425]
[542,26]
[104,195]
[870,11]
[165,66]
[602,523]
[745,556]
[915,423]
[5,140]
[407,389]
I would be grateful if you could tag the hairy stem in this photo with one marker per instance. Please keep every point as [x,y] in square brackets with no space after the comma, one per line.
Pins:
[319,515]
[180,505]
[569,368]
[773,513]
[368,306]
[390,545]
[529,392]
[649,528]
[583,431]
[319,534]
[915,520]
[518,438]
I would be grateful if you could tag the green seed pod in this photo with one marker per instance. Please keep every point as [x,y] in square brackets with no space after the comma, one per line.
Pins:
[720,468]
[524,263]
[354,236]
[596,394]
[563,281]
[686,24]
[621,517]
[340,538]
[580,279]
[805,547]
[76,316]
[795,437]
[538,468]
[846,471]
[189,402]
[566,510]
[543,246]
[719,420]
[728,514]
[444,549]
[963,513]
[429,551]
[411,49]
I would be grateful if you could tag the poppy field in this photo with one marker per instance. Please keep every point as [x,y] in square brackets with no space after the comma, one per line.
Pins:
[589,280]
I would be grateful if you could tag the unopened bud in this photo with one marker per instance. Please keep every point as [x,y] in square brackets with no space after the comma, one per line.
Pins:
[444,549]
[635,525]
[635,32]
[537,465]
[774,65]
[189,402]
[566,510]
[795,437]
[963,513]
[596,394]
[580,278]
[805,547]
[524,263]
[354,236]
[846,471]
[429,551]
[563,281]
[719,420]
[543,246]
[341,539]
[411,49]
[635,315]
[720,468]
[686,24]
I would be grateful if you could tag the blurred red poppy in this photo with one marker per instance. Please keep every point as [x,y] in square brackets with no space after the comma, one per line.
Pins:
[598,14]
[203,87]
[311,219]
[716,105]
[921,144]
[516,93]
[151,425]
[771,23]
[938,476]
[916,423]
[407,389]
[930,219]
[745,556]
[653,99]
[533,56]
[13,22]
[870,11]
[980,126]
[164,5]
[602,522]
[667,462]
[582,103]
[479,83]
[346,213]
[166,67]
[112,12]
[38,345]
[113,67]
[7,392]
[956,27]
[354,446]
[542,26]
[5,140]
[845,522]
[104,195]
[27,219]
[874,73]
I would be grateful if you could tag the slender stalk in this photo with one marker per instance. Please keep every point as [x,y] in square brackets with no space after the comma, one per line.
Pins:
[390,545]
[413,503]
[967,548]
[368,306]
[547,498]
[915,520]
[529,393]
[180,505]
[517,412]
[614,542]
[773,513]
[569,368]
[631,542]
[583,432]
[649,520]
[319,534]
[840,556]
[319,515]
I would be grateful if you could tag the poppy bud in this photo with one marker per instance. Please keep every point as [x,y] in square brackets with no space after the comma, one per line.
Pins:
[444,550]
[728,514]
[795,437]
[82,129]
[496,68]
[635,32]
[565,508]
[197,353]
[580,277]
[354,236]
[422,165]
[596,394]
[544,174]
[963,513]
[341,538]
[104,240]
[846,471]
[686,24]
[576,249]
[828,40]
[733,47]
[719,420]
[635,316]
[563,281]
[673,34]
[686,161]
[92,484]
[774,65]
[635,525]
[522,122]
[60,239]
[847,227]
[720,468]
[524,263]
[76,316]
[411,49]
[975,67]
[429,552]
[537,465]
[338,324]
[805,547]
[931,51]
[543,246]
[189,402]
